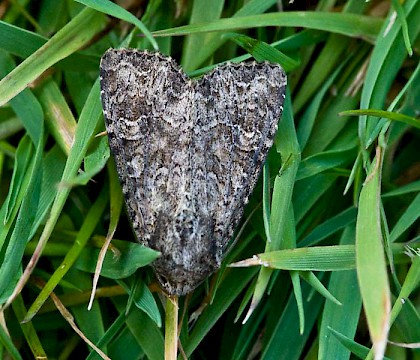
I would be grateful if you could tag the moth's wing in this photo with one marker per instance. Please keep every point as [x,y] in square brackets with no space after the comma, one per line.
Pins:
[243,103]
[142,95]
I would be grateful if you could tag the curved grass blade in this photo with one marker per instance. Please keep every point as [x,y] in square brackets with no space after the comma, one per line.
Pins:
[385,62]
[110,8]
[87,123]
[365,27]
[409,120]
[69,39]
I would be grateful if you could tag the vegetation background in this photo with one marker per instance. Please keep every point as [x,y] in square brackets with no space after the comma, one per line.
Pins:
[334,216]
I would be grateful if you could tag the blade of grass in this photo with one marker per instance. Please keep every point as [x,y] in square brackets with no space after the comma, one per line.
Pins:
[262,51]
[23,43]
[407,219]
[91,220]
[344,318]
[266,201]
[87,124]
[370,261]
[214,41]
[70,38]
[365,27]
[131,256]
[409,120]
[147,334]
[359,350]
[315,258]
[329,227]
[281,199]
[13,254]
[171,328]
[229,290]
[29,111]
[324,161]
[116,204]
[403,21]
[284,341]
[317,285]
[385,62]
[202,11]
[58,116]
[110,8]
[7,343]
[28,330]
[306,124]
[24,154]
[329,59]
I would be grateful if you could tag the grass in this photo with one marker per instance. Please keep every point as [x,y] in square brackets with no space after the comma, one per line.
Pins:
[338,197]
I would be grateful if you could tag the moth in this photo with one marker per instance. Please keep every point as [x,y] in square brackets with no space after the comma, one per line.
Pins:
[188,153]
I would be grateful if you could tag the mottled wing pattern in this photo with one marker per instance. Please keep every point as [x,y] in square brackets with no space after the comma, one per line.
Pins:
[240,106]
[188,153]
[146,101]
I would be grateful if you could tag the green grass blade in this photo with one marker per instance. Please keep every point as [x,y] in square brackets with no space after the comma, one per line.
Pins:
[386,60]
[266,201]
[411,283]
[316,258]
[8,345]
[261,51]
[145,301]
[58,116]
[194,45]
[281,214]
[317,285]
[307,121]
[214,41]
[18,41]
[357,349]
[83,236]
[285,340]
[110,8]
[329,227]
[371,265]
[69,39]
[359,26]
[52,169]
[86,126]
[403,21]
[409,120]
[21,232]
[323,161]
[147,334]
[405,189]
[23,43]
[28,329]
[344,318]
[23,157]
[407,219]
[228,291]
[131,256]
